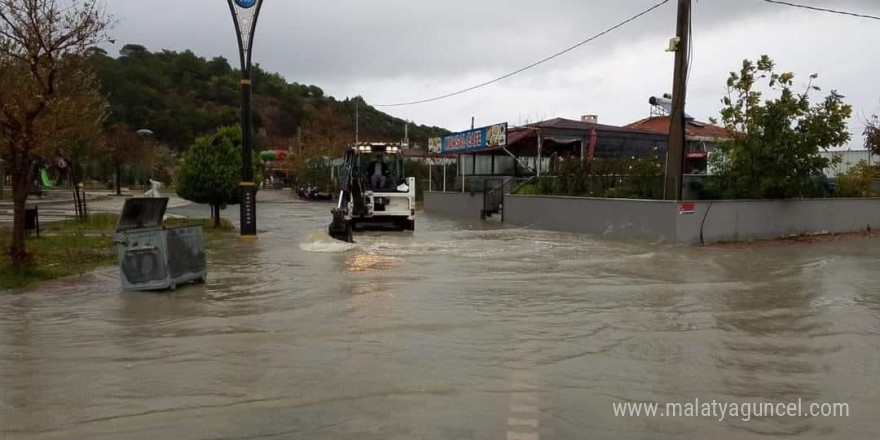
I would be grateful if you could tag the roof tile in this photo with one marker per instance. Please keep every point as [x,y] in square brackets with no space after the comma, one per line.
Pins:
[660,124]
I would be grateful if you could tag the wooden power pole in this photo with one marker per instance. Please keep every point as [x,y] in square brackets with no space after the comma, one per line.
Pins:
[677,132]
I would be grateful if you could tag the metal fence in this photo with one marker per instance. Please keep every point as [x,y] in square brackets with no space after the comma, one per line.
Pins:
[702,187]
[626,187]
[695,187]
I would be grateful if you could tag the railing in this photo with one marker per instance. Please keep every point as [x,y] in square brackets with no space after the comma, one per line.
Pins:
[517,184]
[610,186]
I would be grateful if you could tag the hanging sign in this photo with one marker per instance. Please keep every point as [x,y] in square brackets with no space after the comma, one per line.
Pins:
[435,145]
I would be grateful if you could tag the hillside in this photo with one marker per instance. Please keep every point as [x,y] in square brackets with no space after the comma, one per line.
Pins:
[179,95]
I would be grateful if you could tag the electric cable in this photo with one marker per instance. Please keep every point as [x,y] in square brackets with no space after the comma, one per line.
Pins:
[820,9]
[535,64]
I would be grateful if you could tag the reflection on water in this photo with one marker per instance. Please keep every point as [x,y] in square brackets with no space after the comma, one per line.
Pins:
[458,331]
[371,263]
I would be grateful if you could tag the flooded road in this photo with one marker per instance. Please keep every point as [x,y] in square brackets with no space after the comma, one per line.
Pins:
[460,331]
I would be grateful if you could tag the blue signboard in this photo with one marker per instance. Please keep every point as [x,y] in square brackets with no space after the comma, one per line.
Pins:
[246,3]
[475,140]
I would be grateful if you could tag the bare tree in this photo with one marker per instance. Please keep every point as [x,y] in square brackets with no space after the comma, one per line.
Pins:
[47,92]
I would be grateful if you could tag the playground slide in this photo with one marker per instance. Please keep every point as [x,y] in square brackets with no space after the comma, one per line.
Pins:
[44,179]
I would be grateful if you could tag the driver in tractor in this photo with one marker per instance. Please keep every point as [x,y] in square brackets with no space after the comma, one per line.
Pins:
[378,172]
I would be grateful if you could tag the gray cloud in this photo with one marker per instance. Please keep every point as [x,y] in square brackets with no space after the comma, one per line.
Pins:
[348,39]
[392,50]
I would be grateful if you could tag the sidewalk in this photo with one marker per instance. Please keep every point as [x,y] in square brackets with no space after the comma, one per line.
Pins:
[55,197]
[56,207]
[113,204]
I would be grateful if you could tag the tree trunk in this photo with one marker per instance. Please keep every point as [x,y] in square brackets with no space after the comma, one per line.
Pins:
[215,215]
[118,179]
[20,189]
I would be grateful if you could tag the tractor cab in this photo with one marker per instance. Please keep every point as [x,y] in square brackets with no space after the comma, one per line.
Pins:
[380,165]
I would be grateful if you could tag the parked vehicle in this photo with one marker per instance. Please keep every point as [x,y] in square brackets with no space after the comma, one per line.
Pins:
[312,194]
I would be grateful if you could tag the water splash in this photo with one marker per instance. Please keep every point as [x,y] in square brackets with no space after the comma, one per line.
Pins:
[320,242]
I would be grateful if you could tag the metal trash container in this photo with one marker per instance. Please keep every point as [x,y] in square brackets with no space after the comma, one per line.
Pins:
[153,257]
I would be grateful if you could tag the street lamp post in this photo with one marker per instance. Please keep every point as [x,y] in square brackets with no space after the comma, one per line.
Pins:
[245,14]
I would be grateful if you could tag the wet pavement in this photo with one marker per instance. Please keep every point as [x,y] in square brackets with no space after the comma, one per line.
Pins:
[459,331]
[58,205]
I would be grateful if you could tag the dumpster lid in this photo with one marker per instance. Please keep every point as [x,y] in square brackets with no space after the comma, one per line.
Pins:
[142,213]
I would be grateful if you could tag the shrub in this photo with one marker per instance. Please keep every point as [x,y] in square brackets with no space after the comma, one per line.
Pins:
[857,181]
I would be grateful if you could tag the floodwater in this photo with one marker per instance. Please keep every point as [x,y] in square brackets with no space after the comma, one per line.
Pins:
[459,331]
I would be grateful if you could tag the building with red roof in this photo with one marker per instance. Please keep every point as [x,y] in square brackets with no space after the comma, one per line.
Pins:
[702,138]
[694,129]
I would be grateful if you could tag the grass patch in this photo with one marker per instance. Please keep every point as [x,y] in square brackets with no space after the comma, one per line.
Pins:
[226,230]
[96,224]
[57,256]
[73,248]
[207,224]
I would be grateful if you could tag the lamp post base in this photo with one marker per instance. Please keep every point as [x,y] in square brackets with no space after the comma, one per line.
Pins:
[248,210]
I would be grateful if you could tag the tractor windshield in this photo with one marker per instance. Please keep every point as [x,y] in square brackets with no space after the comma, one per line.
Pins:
[382,170]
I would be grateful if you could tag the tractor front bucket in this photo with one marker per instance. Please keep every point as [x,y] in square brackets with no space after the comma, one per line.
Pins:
[340,229]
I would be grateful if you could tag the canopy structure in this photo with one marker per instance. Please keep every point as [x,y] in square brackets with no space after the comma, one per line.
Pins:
[529,147]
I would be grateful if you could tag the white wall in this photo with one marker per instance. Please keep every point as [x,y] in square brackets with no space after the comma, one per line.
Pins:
[660,221]
[849,159]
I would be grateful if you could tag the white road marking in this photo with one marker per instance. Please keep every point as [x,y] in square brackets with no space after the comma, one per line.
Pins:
[522,422]
[522,436]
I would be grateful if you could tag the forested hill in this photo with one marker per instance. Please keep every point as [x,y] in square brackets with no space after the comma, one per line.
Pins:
[179,95]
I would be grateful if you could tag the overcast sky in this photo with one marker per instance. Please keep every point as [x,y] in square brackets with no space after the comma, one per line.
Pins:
[390,51]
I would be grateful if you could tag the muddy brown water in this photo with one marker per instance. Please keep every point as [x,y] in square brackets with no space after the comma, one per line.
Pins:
[459,331]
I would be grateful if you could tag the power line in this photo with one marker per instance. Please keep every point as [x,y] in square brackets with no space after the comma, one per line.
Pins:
[816,8]
[535,64]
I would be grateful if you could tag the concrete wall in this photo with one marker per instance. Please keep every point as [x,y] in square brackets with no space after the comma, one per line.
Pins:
[753,220]
[456,205]
[655,221]
[633,219]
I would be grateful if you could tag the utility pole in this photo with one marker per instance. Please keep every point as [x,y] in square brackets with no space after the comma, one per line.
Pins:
[677,132]
[357,121]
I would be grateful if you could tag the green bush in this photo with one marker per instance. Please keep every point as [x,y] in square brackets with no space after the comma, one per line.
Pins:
[548,185]
[318,173]
[618,192]
[857,181]
[619,177]
[211,171]
[777,141]
[529,189]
